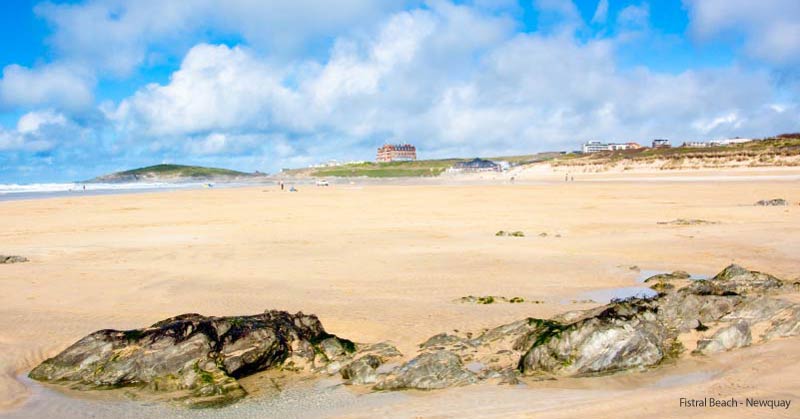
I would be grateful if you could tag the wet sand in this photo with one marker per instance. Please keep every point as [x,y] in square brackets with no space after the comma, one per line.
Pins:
[386,263]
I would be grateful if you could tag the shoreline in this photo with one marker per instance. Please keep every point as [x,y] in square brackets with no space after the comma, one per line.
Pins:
[540,174]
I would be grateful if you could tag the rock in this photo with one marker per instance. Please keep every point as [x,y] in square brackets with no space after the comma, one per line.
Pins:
[441,340]
[384,350]
[194,354]
[735,280]
[662,286]
[757,310]
[687,222]
[786,324]
[681,309]
[507,333]
[430,370]
[624,335]
[334,348]
[741,280]
[668,276]
[363,370]
[772,202]
[367,367]
[730,337]
[12,259]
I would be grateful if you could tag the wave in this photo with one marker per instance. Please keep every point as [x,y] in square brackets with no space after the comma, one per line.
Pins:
[13,188]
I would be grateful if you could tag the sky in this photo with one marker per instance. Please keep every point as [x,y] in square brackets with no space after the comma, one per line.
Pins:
[95,86]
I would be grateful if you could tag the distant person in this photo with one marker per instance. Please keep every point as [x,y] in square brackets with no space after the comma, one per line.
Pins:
[292,189]
[572,178]
[566,177]
[84,187]
[281,185]
[512,179]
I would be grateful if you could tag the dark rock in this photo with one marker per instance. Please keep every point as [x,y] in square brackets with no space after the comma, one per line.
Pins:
[730,337]
[198,355]
[12,259]
[430,370]
[772,202]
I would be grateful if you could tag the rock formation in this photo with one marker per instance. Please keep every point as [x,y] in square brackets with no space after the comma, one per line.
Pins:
[194,354]
[12,259]
[202,357]
[772,202]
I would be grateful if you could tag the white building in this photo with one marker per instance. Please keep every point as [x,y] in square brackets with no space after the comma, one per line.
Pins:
[596,146]
[695,144]
[729,141]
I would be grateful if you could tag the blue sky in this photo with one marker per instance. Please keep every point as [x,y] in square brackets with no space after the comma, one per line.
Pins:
[89,87]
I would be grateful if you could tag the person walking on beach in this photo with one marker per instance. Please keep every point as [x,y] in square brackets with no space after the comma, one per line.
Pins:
[281,185]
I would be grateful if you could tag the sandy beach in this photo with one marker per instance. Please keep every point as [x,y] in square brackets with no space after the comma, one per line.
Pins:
[386,262]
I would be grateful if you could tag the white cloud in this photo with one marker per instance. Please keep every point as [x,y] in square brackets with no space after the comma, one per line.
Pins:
[601,12]
[117,36]
[634,16]
[38,131]
[421,78]
[32,121]
[59,85]
[771,29]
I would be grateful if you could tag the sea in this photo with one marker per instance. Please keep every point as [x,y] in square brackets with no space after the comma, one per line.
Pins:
[13,191]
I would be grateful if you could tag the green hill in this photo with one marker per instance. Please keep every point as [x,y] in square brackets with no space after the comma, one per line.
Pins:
[417,168]
[172,172]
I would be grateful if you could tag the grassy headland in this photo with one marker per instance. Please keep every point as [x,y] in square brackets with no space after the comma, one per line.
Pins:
[171,172]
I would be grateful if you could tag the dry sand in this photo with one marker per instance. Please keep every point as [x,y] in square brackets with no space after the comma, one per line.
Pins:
[386,262]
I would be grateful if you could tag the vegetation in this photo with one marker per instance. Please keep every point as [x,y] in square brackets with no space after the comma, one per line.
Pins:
[418,168]
[777,151]
[486,300]
[180,171]
[503,233]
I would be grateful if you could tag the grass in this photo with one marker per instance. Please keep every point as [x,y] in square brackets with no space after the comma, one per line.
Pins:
[763,152]
[419,168]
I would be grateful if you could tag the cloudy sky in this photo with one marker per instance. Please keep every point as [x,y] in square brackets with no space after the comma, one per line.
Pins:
[89,87]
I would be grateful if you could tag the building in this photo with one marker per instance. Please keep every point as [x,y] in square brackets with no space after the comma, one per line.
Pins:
[695,144]
[661,143]
[597,146]
[476,165]
[715,143]
[729,141]
[396,152]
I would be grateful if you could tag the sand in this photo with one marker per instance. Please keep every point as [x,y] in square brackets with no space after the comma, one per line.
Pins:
[385,262]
